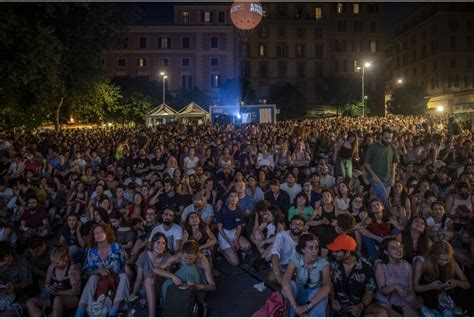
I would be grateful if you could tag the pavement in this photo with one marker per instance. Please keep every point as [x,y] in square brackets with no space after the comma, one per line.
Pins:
[236,295]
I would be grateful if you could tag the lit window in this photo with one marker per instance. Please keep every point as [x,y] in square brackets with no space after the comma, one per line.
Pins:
[318,11]
[185,17]
[373,46]
[261,50]
[142,62]
[355,8]
[207,17]
[340,7]
[165,43]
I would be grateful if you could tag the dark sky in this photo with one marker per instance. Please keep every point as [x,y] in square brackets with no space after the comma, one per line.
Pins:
[162,13]
[393,11]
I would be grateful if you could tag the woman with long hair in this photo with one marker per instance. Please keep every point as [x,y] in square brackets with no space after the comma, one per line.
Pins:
[323,222]
[308,293]
[415,238]
[437,277]
[394,277]
[196,229]
[376,227]
[155,256]
[230,222]
[399,204]
[136,210]
[344,151]
[268,222]
[104,258]
[357,210]
[343,197]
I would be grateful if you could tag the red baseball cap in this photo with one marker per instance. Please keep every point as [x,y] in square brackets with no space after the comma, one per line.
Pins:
[343,242]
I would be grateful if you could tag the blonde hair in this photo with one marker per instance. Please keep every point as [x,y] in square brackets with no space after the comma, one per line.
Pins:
[431,267]
[61,252]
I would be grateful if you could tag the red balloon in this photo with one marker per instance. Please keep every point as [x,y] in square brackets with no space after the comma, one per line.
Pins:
[246,15]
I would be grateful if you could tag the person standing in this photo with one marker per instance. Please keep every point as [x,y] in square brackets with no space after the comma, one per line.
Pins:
[381,162]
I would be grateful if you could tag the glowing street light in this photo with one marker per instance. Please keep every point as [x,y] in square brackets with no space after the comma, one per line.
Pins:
[440,108]
[164,77]
[363,97]
[400,81]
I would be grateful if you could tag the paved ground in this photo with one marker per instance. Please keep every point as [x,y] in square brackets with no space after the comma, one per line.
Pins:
[235,294]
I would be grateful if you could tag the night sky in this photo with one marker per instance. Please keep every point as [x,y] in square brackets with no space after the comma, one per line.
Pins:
[162,13]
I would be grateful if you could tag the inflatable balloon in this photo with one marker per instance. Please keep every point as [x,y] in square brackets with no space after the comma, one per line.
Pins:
[246,15]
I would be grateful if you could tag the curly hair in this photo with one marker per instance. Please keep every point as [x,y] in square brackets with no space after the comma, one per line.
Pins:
[110,235]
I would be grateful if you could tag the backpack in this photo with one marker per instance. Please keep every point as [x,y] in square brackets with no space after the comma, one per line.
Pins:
[180,302]
[104,296]
[275,306]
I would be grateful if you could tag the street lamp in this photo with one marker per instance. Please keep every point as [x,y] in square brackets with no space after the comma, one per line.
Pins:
[400,81]
[164,77]
[363,97]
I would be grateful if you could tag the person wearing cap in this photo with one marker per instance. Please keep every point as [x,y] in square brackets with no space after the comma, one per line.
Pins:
[353,281]
[199,206]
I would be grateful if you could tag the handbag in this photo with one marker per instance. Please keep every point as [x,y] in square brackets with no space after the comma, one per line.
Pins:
[104,296]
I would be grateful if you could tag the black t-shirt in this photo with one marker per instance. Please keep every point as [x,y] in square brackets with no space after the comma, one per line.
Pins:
[142,162]
[160,161]
[174,202]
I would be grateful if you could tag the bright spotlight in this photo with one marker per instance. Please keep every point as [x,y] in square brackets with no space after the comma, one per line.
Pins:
[440,108]
[368,64]
[238,116]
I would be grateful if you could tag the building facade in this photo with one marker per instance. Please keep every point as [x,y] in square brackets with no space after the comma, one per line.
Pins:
[307,43]
[300,43]
[196,50]
[433,48]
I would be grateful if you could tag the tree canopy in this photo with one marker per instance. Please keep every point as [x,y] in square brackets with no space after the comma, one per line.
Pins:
[50,55]
[407,99]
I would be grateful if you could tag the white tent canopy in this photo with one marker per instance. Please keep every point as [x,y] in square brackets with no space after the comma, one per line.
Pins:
[160,115]
[193,111]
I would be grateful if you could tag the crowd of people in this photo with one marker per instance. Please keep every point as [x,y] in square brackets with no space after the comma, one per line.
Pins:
[351,216]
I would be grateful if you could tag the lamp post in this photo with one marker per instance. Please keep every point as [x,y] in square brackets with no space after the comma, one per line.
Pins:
[164,77]
[365,65]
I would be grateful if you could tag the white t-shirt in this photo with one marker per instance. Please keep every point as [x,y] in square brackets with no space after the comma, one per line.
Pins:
[283,247]
[190,164]
[172,234]
[292,191]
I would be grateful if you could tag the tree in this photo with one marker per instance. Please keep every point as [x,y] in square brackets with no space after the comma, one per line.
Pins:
[340,90]
[51,52]
[132,107]
[288,98]
[352,109]
[407,99]
[98,103]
